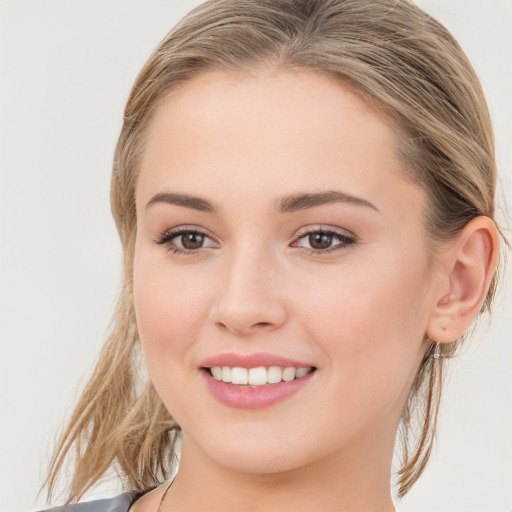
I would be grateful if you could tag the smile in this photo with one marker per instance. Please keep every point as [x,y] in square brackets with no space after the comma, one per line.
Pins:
[258,376]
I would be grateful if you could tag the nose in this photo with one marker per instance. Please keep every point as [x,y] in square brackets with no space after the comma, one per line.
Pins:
[249,296]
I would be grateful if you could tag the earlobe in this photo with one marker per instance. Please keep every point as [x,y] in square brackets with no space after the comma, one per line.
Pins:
[470,264]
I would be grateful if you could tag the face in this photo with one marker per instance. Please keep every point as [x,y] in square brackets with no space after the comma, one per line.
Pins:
[275,230]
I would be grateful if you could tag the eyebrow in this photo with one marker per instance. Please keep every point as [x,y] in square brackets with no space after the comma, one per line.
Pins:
[293,203]
[188,201]
[305,201]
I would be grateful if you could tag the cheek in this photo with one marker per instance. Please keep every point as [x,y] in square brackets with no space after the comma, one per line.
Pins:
[169,309]
[369,320]
[365,297]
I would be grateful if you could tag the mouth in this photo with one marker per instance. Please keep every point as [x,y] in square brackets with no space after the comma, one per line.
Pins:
[258,376]
[255,381]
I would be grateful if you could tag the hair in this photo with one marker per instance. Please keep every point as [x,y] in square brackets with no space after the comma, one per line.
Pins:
[407,66]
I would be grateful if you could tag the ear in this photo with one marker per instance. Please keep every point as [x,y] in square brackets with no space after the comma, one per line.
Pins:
[467,268]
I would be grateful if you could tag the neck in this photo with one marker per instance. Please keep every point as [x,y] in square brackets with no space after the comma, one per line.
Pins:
[345,482]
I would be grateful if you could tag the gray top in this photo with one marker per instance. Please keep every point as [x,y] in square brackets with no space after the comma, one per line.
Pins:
[121,503]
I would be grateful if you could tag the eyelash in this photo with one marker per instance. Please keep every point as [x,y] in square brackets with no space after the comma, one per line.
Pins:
[167,237]
[344,240]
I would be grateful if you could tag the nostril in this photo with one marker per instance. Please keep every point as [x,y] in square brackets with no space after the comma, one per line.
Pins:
[262,324]
[238,326]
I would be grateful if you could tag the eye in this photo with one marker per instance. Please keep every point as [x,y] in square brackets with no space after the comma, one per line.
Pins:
[185,240]
[321,240]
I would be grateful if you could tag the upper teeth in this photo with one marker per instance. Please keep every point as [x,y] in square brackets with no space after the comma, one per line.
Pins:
[258,376]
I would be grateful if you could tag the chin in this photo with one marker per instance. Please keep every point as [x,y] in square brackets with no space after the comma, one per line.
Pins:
[258,462]
[264,455]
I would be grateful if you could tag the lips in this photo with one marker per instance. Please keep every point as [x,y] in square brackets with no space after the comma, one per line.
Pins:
[255,380]
[251,361]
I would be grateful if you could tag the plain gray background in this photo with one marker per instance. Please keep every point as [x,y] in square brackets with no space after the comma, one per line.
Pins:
[66,69]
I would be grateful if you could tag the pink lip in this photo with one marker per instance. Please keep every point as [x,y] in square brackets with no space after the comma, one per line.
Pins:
[246,397]
[251,361]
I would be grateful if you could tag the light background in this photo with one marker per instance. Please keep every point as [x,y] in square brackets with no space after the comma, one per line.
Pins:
[66,69]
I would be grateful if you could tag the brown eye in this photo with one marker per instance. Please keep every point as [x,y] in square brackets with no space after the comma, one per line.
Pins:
[192,240]
[320,240]
[185,241]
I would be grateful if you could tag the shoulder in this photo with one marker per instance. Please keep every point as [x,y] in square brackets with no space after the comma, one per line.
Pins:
[120,503]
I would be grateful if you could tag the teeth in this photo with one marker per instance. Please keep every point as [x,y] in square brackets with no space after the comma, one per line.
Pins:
[301,372]
[258,376]
[239,376]
[217,372]
[274,374]
[226,374]
[288,374]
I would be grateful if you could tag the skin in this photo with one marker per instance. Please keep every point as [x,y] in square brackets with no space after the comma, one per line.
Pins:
[359,314]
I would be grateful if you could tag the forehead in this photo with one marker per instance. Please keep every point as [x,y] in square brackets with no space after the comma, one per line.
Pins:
[287,131]
[272,105]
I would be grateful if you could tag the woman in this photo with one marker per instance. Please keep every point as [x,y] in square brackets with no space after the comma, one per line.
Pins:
[305,196]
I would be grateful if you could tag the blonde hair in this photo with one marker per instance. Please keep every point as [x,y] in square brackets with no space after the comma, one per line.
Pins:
[406,65]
